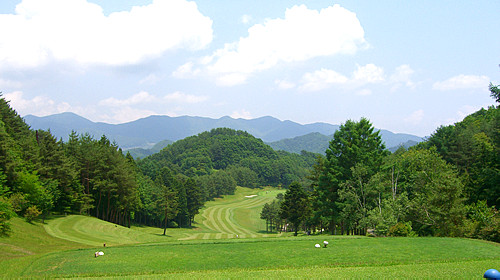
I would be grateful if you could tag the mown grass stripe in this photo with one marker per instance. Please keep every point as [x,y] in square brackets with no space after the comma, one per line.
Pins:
[241,230]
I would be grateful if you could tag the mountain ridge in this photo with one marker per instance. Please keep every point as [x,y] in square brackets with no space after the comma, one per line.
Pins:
[145,132]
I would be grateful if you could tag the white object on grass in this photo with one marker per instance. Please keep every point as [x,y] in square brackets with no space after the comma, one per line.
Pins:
[317,245]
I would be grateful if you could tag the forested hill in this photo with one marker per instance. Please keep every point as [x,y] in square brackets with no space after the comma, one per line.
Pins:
[247,159]
[40,174]
[473,146]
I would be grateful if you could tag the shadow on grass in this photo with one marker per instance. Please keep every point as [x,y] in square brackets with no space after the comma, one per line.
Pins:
[161,234]
[267,232]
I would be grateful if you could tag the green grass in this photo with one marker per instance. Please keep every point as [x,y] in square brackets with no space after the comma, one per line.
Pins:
[64,247]
[459,270]
[234,215]
[31,239]
[95,232]
[272,255]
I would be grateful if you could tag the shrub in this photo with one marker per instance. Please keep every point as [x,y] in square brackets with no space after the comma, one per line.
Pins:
[401,229]
[483,222]
[5,214]
[31,213]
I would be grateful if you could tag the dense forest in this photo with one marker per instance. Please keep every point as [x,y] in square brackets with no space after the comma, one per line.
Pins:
[40,174]
[448,185]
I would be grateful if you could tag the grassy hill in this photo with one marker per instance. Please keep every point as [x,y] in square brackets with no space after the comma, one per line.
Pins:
[64,247]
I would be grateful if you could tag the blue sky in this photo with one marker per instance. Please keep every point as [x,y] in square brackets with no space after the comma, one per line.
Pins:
[408,66]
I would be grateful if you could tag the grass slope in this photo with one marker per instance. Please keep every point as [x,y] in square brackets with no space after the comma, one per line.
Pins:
[235,215]
[65,246]
[94,232]
[228,217]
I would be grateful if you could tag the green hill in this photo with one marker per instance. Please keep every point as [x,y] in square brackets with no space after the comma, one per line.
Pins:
[139,153]
[224,149]
[312,142]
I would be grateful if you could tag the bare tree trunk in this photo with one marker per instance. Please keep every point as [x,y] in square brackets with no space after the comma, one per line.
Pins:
[98,205]
[109,203]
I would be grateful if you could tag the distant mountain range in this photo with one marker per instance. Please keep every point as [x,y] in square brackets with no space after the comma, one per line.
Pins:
[146,132]
[318,143]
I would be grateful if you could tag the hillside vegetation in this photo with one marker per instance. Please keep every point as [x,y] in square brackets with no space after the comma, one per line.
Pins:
[40,175]
[446,186]
[65,246]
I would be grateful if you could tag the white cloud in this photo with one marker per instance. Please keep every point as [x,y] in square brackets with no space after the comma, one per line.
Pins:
[141,97]
[467,110]
[151,79]
[370,73]
[38,105]
[115,110]
[362,76]
[301,35]
[415,117]
[463,82]
[78,31]
[180,97]
[402,76]
[284,84]
[9,84]
[322,79]
[146,98]
[231,79]
[325,78]
[242,114]
[122,115]
[246,19]
[185,71]
[364,92]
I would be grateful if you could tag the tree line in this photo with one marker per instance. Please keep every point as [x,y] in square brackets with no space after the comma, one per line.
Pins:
[40,174]
[448,185]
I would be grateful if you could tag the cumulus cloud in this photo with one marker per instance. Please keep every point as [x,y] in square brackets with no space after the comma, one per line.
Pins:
[242,114]
[186,71]
[141,97]
[367,74]
[325,78]
[301,35]
[180,97]
[362,76]
[111,110]
[463,82]
[232,79]
[144,97]
[246,19]
[151,79]
[284,84]
[78,31]
[123,114]
[402,76]
[9,84]
[38,105]
[322,79]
